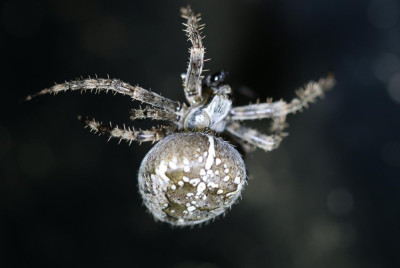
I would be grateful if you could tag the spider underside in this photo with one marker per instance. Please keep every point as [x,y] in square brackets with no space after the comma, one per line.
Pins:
[168,173]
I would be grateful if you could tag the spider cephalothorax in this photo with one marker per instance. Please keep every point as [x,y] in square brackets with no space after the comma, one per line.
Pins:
[191,175]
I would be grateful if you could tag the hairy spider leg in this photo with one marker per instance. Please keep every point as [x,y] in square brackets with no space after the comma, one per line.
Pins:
[305,96]
[253,137]
[192,81]
[155,114]
[249,144]
[114,85]
[250,138]
[128,134]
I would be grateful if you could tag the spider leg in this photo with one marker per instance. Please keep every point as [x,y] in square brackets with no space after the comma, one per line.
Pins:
[305,96]
[249,137]
[128,134]
[155,114]
[114,85]
[192,81]
[246,147]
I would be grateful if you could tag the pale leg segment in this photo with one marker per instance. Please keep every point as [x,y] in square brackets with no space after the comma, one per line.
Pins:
[192,80]
[155,114]
[114,85]
[305,96]
[255,138]
[128,134]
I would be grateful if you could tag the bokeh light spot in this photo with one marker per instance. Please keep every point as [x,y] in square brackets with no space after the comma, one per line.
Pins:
[394,87]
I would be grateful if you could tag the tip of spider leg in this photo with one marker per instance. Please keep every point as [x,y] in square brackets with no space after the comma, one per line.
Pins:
[330,76]
[27,98]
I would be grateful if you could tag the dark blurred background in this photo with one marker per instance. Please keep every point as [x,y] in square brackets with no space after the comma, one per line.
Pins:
[328,197]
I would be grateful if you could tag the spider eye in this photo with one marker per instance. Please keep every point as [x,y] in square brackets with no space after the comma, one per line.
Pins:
[216,79]
[219,77]
[191,177]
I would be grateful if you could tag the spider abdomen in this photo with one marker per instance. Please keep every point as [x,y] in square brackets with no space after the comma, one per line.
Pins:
[191,177]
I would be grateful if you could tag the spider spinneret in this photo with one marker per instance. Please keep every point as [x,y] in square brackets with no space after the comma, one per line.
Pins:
[191,175]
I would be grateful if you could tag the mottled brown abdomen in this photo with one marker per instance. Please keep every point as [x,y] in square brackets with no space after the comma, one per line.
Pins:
[188,178]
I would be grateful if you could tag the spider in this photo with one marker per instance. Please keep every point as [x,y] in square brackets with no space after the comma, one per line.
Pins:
[192,175]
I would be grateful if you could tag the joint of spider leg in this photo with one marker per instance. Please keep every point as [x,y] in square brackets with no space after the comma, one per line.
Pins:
[102,129]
